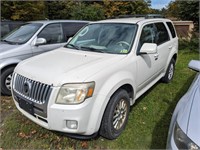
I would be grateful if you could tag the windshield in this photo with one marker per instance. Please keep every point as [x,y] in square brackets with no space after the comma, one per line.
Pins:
[22,34]
[116,38]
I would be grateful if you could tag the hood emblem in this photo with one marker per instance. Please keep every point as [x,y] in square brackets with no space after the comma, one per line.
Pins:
[26,87]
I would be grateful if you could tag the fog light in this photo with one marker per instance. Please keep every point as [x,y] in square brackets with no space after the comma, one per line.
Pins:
[72,124]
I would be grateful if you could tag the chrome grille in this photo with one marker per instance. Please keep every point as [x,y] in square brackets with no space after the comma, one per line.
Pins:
[32,90]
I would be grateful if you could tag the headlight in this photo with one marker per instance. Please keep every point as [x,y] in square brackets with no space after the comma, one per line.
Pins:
[182,140]
[75,93]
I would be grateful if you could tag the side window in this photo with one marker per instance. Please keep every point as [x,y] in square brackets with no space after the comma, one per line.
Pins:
[148,35]
[52,33]
[4,29]
[171,28]
[162,35]
[71,28]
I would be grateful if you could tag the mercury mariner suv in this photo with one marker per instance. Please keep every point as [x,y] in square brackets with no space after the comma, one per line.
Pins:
[87,87]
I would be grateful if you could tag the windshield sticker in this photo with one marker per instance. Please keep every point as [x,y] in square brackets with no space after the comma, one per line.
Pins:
[124,51]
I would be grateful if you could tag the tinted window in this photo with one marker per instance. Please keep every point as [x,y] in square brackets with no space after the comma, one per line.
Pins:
[52,33]
[162,34]
[171,28]
[70,29]
[148,35]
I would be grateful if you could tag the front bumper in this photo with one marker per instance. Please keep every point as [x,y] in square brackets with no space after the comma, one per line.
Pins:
[58,115]
[171,145]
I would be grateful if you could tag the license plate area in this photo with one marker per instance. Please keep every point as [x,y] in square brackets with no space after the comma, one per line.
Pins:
[25,105]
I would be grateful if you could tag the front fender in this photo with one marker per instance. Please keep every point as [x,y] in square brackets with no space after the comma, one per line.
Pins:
[8,62]
[108,88]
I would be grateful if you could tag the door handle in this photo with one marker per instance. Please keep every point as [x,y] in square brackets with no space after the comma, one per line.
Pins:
[156,56]
[170,47]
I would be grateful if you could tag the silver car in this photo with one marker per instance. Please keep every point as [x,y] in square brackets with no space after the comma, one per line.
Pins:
[184,131]
[32,39]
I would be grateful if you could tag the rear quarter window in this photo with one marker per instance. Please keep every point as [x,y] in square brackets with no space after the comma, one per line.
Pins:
[171,28]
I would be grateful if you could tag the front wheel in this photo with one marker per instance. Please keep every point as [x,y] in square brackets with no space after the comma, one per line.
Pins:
[170,72]
[6,77]
[116,115]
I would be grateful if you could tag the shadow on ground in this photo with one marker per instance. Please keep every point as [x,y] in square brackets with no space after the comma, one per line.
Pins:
[159,132]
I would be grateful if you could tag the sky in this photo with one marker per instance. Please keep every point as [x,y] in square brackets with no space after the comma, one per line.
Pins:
[159,4]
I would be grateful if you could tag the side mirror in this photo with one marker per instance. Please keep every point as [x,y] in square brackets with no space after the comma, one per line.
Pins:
[148,48]
[194,65]
[40,41]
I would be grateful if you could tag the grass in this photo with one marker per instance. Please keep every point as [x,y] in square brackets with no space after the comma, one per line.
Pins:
[147,126]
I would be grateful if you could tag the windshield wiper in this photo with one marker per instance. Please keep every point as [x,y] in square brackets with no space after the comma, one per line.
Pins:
[92,49]
[9,42]
[74,46]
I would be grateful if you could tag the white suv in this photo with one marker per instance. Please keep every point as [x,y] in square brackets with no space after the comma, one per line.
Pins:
[88,86]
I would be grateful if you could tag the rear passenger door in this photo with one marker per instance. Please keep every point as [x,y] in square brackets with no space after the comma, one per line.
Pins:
[164,44]
[53,33]
[71,28]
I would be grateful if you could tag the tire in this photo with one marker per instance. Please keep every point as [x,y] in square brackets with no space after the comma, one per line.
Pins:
[114,121]
[170,72]
[6,81]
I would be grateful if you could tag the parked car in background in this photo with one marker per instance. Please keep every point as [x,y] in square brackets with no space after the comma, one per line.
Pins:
[184,131]
[31,39]
[88,86]
[8,26]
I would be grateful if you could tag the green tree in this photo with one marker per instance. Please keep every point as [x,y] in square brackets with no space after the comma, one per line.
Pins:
[23,10]
[116,8]
[85,11]
[6,11]
[59,9]
[70,9]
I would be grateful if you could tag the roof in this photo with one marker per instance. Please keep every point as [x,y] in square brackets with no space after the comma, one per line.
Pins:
[56,21]
[132,20]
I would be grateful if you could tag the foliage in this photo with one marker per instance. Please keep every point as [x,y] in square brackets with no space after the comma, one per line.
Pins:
[116,8]
[59,9]
[82,11]
[192,44]
[70,9]
[23,10]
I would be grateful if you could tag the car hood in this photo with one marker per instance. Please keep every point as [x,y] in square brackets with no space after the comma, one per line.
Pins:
[64,65]
[189,116]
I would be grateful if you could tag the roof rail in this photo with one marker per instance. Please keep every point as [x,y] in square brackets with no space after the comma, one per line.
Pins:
[146,16]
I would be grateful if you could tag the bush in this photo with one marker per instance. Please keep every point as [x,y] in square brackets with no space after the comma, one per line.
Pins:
[192,44]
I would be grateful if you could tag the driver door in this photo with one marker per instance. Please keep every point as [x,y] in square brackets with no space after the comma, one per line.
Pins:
[147,64]
[53,34]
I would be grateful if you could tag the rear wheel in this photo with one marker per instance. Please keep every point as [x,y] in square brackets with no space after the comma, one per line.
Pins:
[170,72]
[6,77]
[116,115]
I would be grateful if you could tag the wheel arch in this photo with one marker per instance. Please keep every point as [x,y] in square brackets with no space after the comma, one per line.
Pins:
[8,63]
[95,113]
[128,88]
[173,56]
[8,66]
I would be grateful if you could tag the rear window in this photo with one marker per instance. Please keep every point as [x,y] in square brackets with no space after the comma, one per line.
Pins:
[171,28]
